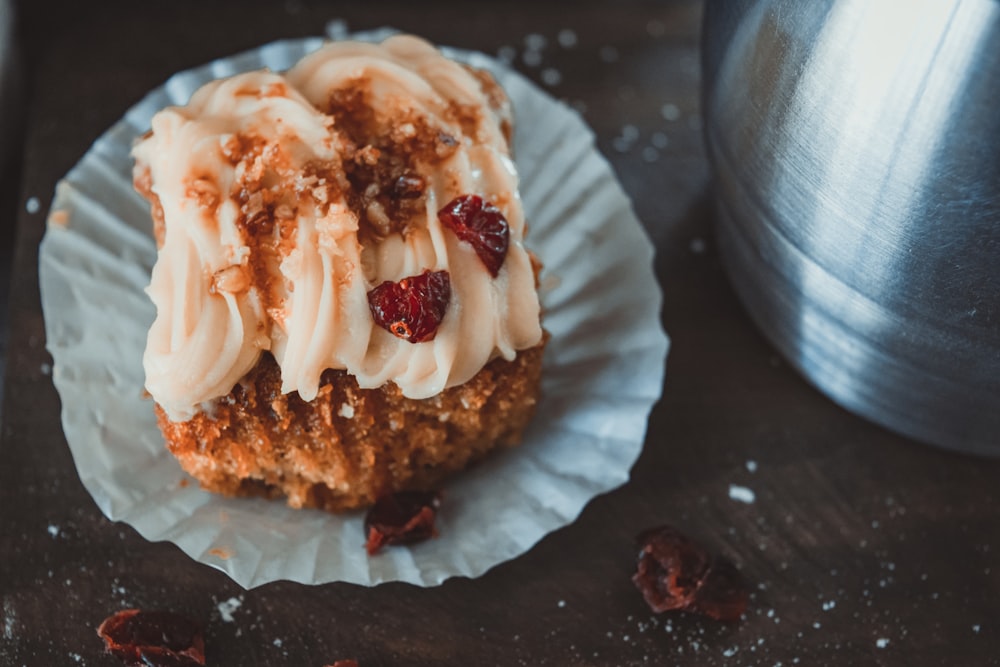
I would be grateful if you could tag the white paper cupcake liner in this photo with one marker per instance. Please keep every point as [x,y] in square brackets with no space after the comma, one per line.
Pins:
[603,368]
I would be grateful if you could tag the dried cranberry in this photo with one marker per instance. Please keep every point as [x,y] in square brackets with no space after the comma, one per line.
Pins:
[344,663]
[480,224]
[675,572]
[401,518]
[154,638]
[723,595]
[413,308]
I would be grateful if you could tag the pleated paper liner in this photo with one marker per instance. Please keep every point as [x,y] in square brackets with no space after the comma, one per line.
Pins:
[603,368]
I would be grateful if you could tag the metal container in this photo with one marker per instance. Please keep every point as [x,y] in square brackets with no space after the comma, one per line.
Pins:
[856,149]
[9,89]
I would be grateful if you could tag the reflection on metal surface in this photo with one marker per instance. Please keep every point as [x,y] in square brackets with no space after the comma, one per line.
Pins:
[8,102]
[856,146]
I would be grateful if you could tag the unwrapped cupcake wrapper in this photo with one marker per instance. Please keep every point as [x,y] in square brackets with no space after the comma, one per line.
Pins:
[603,367]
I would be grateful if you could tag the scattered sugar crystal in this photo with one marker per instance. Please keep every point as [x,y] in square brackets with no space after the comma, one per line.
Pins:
[730,652]
[33,205]
[561,603]
[8,621]
[751,466]
[45,368]
[53,530]
[608,54]
[532,58]
[881,642]
[227,608]
[828,605]
[741,494]
[507,54]
[659,140]
[535,42]
[337,29]
[976,628]
[551,76]
[817,625]
[670,111]
[277,642]
[566,38]
[630,132]
[346,411]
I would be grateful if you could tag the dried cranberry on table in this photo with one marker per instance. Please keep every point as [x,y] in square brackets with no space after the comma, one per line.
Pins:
[675,572]
[406,517]
[412,309]
[480,224]
[153,638]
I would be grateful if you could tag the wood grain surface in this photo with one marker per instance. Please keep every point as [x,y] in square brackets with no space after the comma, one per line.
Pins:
[862,548]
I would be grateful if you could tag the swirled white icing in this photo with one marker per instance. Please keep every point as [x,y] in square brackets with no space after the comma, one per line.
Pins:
[264,246]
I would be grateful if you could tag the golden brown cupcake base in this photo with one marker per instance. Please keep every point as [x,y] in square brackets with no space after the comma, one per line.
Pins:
[351,445]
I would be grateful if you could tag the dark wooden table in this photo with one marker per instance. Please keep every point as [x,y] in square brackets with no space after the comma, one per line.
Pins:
[863,548]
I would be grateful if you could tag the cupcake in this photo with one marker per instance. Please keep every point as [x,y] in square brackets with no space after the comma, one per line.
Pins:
[345,307]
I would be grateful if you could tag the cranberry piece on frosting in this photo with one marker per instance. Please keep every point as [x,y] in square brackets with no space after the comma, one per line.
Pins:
[480,224]
[412,308]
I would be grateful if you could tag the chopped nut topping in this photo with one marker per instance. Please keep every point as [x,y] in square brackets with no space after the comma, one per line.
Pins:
[232,279]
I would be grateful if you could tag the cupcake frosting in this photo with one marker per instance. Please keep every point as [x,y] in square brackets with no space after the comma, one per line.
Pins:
[280,201]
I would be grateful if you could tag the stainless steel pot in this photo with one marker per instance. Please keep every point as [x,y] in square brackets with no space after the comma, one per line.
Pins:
[856,149]
[9,97]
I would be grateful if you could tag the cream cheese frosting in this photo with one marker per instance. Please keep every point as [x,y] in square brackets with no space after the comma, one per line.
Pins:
[275,219]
